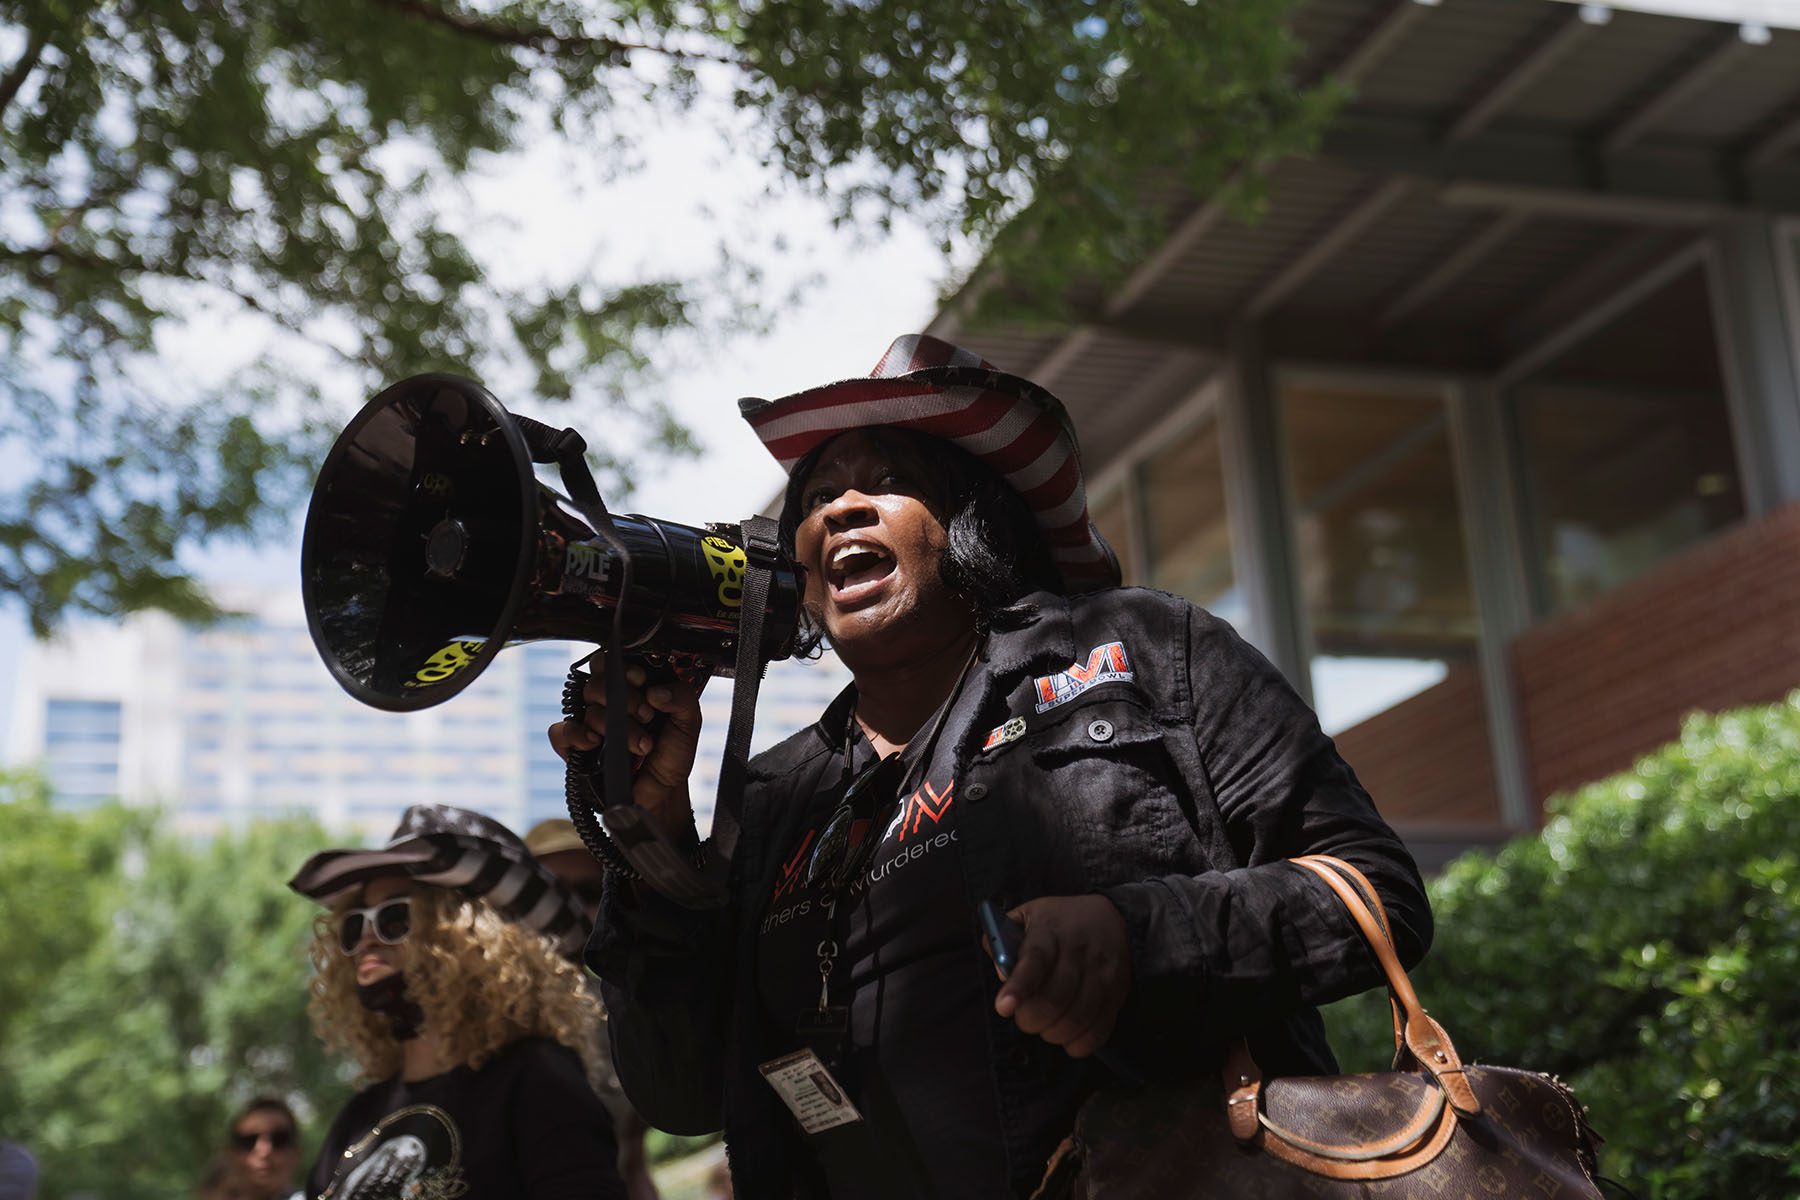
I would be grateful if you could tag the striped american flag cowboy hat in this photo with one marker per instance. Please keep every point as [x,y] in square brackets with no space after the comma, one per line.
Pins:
[464,852]
[1019,430]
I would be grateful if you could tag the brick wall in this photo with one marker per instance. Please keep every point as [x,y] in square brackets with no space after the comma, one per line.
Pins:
[1714,628]
[1427,760]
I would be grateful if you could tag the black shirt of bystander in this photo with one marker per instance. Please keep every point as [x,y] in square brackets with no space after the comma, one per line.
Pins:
[522,1125]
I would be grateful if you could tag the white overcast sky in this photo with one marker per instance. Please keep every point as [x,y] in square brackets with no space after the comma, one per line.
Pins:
[546,211]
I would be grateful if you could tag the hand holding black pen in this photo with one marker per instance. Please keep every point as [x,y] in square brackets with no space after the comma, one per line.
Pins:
[1067,972]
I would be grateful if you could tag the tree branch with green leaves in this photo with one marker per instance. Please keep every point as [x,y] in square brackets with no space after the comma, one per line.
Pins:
[304,161]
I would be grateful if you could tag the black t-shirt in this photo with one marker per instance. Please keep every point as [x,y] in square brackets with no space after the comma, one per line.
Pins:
[911,971]
[526,1124]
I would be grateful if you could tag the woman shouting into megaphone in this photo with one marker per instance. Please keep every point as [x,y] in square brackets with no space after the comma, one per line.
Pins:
[1113,767]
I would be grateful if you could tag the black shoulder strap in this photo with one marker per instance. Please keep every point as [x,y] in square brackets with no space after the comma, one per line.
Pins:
[760,538]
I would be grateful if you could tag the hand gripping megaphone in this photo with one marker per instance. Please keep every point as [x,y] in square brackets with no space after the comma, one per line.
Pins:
[430,545]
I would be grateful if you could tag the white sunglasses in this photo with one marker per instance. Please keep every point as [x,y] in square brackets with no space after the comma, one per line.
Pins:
[390,922]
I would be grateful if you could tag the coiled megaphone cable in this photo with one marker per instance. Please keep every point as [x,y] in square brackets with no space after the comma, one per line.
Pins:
[578,788]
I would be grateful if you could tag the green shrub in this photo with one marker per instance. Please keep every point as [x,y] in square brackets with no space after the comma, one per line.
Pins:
[1646,947]
[149,984]
[660,1147]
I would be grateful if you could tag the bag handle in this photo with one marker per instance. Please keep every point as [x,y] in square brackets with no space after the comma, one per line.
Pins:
[1415,1032]
[1425,1040]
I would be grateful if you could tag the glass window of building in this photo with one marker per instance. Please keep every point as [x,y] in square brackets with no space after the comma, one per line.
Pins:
[69,722]
[1187,539]
[1626,446]
[82,742]
[1389,608]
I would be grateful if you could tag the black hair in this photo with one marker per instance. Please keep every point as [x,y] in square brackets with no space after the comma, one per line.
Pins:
[997,553]
[265,1104]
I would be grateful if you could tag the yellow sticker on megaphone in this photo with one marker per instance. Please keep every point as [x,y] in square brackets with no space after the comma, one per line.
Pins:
[445,663]
[726,562]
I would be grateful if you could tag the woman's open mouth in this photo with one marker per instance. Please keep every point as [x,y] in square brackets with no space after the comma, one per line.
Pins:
[857,570]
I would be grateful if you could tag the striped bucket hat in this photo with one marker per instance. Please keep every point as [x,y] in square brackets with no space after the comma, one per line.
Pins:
[1014,426]
[464,852]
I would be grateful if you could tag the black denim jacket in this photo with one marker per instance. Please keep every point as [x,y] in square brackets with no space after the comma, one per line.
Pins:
[1176,792]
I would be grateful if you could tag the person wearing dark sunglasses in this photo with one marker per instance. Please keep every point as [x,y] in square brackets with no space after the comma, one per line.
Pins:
[443,967]
[263,1150]
[1113,768]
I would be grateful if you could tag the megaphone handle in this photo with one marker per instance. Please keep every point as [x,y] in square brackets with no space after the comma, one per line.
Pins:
[642,850]
[586,788]
[687,670]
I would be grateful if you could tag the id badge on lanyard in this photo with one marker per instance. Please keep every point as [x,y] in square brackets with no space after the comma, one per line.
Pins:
[804,1079]
[878,1156]
[811,1092]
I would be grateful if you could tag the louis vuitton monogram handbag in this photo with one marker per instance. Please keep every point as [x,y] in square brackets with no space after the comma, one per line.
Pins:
[1431,1127]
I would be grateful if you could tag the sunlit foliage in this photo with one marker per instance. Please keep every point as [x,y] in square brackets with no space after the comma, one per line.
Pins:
[288,159]
[148,986]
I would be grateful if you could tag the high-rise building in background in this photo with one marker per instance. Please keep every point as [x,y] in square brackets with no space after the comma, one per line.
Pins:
[226,724]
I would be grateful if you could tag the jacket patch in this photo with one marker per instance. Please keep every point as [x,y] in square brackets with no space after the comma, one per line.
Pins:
[999,735]
[1105,664]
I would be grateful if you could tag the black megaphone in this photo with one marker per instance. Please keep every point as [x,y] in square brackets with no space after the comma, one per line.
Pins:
[430,545]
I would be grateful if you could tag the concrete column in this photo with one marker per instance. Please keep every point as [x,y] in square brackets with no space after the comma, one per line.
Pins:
[1257,503]
[1486,481]
[1756,346]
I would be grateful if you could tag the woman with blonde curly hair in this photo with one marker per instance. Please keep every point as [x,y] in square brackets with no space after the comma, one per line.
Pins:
[441,967]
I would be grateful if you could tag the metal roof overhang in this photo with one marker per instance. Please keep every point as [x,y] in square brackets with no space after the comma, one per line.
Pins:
[1502,165]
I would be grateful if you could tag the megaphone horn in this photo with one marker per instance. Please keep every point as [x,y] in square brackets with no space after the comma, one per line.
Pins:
[430,545]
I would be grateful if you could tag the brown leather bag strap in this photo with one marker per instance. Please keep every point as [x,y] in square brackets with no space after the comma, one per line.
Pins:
[1425,1040]
[1416,1034]
[1372,900]
[1243,1090]
[1338,876]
